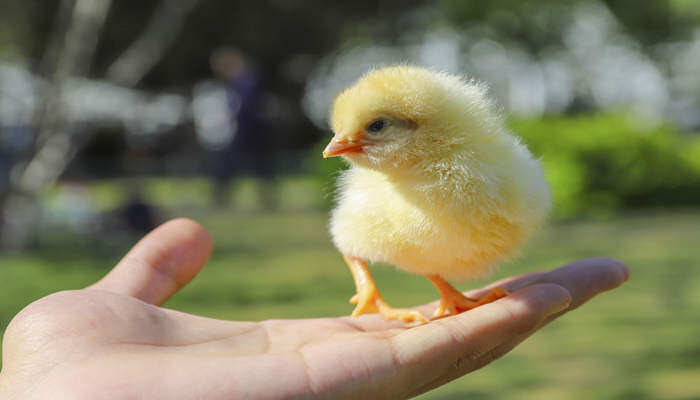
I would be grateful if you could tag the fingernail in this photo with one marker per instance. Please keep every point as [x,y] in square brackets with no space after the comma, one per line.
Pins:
[625,271]
[556,296]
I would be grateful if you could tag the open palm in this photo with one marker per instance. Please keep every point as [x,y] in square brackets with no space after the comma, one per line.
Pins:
[112,340]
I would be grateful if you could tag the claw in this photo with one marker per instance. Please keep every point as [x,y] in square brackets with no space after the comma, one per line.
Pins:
[454,302]
[366,302]
[403,314]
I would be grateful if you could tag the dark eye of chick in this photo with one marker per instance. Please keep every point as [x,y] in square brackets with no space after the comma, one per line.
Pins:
[377,125]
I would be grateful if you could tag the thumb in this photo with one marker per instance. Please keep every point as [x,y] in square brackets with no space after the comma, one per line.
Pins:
[161,263]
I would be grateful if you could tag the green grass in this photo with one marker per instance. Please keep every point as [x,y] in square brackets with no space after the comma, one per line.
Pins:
[639,342]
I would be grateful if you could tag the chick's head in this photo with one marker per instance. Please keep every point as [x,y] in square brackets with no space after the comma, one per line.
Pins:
[398,117]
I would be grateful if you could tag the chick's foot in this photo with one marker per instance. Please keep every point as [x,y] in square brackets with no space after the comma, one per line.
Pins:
[369,300]
[367,303]
[454,302]
[403,314]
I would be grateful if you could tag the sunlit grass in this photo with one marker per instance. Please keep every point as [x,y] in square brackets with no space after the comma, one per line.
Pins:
[639,342]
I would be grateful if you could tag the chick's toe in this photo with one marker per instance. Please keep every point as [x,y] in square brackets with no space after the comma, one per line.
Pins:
[454,302]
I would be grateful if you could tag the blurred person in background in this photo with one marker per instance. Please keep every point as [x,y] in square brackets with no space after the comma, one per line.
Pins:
[245,147]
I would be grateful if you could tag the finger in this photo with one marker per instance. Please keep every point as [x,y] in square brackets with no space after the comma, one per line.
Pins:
[432,354]
[611,268]
[161,263]
[583,279]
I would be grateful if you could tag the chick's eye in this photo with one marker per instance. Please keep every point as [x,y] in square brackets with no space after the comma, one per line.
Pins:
[377,125]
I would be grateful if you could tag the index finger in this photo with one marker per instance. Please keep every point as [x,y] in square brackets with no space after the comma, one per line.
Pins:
[584,279]
[427,354]
[448,348]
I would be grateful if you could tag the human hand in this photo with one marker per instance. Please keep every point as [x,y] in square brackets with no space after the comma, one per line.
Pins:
[112,340]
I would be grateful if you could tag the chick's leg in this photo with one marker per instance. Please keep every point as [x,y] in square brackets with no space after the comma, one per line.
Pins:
[369,300]
[452,301]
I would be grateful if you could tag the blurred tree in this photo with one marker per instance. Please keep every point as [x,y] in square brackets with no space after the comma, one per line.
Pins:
[158,46]
[146,51]
[69,53]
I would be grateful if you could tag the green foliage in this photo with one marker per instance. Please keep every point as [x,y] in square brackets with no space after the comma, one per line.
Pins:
[599,164]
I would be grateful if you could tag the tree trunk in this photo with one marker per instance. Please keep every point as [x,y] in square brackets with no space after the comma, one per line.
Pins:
[70,53]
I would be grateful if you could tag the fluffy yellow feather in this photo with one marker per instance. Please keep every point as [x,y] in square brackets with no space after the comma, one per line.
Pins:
[437,185]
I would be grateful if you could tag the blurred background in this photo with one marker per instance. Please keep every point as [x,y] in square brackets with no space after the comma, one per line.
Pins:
[117,115]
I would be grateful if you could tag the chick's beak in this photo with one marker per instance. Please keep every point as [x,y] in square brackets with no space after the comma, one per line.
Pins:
[343,144]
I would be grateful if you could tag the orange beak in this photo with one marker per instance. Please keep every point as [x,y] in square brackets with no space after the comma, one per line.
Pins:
[344,143]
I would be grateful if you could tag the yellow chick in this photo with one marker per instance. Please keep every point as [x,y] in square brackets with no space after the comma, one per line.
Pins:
[437,185]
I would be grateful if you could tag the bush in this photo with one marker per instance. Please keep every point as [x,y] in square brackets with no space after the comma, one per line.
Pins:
[598,164]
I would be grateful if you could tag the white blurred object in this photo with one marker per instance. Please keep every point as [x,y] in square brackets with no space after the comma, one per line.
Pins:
[214,115]
[597,63]
[18,99]
[89,102]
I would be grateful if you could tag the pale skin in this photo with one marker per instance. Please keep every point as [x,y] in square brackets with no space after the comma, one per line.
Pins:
[112,340]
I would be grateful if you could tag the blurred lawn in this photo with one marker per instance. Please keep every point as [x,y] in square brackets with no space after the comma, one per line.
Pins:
[639,342]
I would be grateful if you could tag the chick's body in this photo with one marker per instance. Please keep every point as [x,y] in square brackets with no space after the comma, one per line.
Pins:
[442,189]
[428,229]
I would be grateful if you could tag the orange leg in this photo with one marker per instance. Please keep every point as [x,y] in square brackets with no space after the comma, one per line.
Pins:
[452,301]
[369,300]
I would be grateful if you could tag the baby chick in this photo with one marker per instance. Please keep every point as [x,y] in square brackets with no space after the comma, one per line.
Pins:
[437,185]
